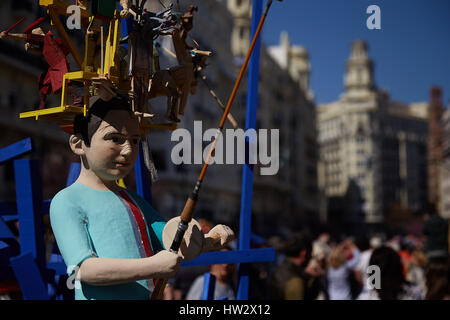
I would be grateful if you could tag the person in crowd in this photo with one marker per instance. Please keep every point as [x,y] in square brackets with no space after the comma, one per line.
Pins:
[290,280]
[223,288]
[318,264]
[343,260]
[391,284]
[436,232]
[416,269]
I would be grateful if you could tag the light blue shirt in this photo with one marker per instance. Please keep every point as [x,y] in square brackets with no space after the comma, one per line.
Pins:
[220,290]
[338,283]
[88,222]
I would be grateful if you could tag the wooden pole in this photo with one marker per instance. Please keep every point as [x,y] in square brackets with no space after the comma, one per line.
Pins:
[101,53]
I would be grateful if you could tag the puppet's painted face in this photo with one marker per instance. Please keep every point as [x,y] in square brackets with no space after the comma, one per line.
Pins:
[114,146]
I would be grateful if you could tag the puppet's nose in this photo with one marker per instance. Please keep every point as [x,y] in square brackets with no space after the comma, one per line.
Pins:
[127,149]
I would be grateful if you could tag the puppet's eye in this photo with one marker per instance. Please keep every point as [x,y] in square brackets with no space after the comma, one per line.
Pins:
[117,139]
[135,141]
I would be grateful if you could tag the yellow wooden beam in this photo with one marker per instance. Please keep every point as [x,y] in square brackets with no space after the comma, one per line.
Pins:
[46,3]
[51,111]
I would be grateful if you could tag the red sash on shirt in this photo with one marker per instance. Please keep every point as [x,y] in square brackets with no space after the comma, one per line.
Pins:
[139,217]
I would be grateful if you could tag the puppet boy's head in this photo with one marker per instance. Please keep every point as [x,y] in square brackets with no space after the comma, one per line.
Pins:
[107,140]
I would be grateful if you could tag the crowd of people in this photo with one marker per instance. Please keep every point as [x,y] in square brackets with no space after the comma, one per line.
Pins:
[375,267]
[326,267]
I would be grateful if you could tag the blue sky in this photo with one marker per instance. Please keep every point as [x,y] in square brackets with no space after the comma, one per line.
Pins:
[411,51]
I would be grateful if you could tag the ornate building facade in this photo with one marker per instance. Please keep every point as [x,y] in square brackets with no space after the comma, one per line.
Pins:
[373,150]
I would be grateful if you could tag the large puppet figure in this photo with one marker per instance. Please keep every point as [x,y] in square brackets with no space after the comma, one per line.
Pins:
[109,236]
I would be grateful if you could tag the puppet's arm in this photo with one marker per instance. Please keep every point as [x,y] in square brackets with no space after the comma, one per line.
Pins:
[125,13]
[14,36]
[110,271]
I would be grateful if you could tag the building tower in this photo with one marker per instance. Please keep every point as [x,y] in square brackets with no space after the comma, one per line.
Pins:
[359,78]
[294,59]
[373,151]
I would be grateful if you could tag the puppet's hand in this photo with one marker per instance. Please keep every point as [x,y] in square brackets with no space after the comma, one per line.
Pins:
[165,264]
[3,35]
[105,88]
[218,237]
[125,13]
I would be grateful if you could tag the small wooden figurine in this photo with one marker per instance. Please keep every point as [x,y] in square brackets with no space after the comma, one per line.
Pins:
[53,51]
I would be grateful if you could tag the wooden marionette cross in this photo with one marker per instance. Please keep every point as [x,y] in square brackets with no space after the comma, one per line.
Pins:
[199,66]
[184,73]
[64,113]
[176,82]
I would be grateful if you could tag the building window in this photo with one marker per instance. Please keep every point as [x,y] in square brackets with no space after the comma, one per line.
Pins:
[242,32]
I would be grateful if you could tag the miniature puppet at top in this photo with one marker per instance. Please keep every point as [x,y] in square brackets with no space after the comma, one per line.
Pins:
[131,71]
[52,49]
[147,27]
[178,81]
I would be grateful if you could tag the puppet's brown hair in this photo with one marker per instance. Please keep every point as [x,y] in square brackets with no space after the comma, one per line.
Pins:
[87,126]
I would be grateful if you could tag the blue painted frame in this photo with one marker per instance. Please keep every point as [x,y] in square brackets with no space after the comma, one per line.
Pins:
[15,150]
[245,230]
[29,209]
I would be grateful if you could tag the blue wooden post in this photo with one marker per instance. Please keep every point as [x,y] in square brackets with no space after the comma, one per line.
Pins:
[245,228]
[29,205]
[209,285]
[74,173]
[143,186]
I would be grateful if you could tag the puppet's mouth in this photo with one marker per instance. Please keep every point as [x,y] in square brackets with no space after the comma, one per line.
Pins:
[122,164]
